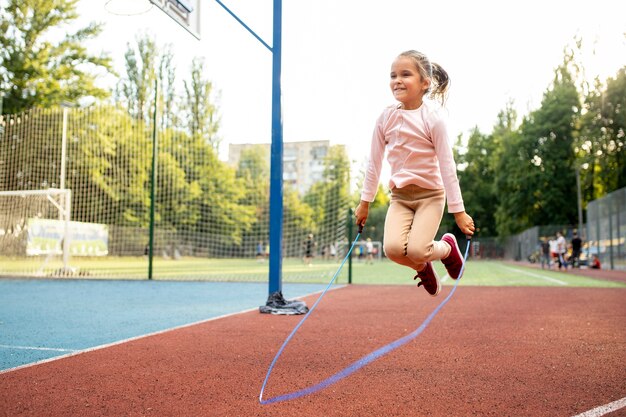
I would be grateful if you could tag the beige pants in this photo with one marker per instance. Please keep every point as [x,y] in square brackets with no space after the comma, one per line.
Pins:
[411,224]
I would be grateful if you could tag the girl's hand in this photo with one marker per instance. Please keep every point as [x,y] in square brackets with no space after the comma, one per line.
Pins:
[465,223]
[361,212]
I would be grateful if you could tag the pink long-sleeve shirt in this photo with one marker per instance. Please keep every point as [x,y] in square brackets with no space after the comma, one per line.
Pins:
[418,152]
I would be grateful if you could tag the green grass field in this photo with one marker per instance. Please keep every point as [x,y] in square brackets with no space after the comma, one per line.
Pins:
[493,273]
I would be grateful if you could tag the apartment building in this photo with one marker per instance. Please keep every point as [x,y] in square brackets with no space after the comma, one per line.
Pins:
[303,162]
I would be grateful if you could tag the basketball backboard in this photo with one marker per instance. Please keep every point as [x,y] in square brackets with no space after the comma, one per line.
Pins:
[184,12]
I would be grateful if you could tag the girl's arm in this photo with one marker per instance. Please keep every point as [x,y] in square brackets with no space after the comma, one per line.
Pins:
[372,175]
[447,165]
[374,165]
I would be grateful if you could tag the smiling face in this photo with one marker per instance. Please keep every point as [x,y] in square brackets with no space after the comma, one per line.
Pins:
[407,85]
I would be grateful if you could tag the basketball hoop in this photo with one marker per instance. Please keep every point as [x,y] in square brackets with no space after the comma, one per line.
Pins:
[128,7]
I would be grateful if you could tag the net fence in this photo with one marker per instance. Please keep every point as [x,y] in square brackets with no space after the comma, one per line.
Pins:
[210,219]
[525,246]
[604,234]
[606,229]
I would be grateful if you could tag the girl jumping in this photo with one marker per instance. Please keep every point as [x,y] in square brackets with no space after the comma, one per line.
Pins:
[423,173]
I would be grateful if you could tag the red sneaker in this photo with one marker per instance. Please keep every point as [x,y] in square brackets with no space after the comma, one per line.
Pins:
[429,280]
[454,261]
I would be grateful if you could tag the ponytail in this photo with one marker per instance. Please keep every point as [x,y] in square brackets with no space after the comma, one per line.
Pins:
[441,82]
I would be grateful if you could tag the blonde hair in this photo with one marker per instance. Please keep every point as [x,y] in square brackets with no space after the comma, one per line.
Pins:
[439,79]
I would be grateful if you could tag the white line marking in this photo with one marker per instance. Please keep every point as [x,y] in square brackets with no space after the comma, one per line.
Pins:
[119,342]
[535,275]
[37,348]
[604,409]
[444,278]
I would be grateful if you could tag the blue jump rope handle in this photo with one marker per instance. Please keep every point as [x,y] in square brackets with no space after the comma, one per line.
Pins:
[364,360]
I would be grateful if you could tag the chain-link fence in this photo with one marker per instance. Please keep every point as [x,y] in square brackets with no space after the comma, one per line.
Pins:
[606,230]
[141,192]
[603,236]
[526,246]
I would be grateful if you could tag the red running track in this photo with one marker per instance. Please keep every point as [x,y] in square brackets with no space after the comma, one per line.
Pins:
[490,352]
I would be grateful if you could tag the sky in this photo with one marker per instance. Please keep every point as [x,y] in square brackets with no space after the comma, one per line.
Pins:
[336,57]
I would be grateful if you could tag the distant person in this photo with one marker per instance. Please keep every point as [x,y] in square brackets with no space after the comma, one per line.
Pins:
[576,248]
[333,251]
[260,254]
[369,247]
[561,246]
[413,133]
[309,245]
[554,251]
[595,262]
[545,253]
[360,252]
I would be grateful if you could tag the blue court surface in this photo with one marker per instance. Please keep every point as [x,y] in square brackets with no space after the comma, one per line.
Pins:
[42,319]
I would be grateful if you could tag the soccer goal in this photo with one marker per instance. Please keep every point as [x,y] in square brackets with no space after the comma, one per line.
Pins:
[35,232]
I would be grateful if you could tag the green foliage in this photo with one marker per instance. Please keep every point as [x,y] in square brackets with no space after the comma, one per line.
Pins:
[202,118]
[512,178]
[327,198]
[26,167]
[253,172]
[200,202]
[173,181]
[382,197]
[534,166]
[600,146]
[535,180]
[167,98]
[215,191]
[35,72]
[109,159]
[220,209]
[136,89]
[511,212]
[477,180]
[301,217]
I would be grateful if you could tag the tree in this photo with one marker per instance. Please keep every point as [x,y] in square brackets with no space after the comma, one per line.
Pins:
[148,68]
[300,218]
[253,171]
[477,180]
[109,167]
[375,226]
[512,213]
[217,194]
[329,198]
[535,176]
[136,90]
[37,72]
[174,190]
[551,132]
[27,155]
[600,146]
[167,90]
[202,118]
[509,214]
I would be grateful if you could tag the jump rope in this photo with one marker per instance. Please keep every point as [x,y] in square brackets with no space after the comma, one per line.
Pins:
[355,366]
